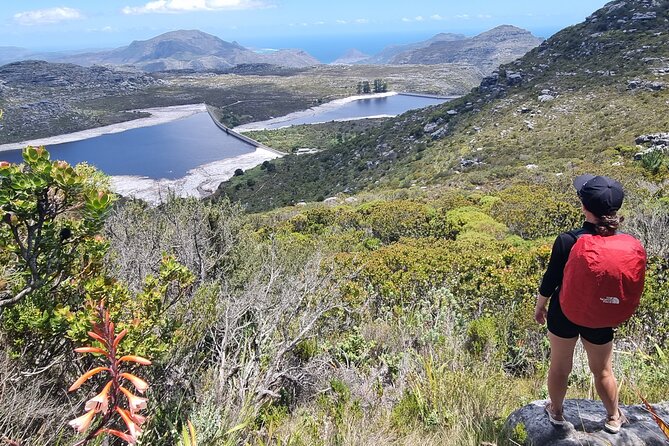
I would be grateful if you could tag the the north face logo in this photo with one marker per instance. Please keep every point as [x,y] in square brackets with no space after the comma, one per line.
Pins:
[610,300]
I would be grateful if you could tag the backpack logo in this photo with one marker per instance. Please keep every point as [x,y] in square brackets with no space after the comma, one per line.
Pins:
[610,300]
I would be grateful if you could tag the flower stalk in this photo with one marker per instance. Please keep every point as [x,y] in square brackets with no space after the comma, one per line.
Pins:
[115,405]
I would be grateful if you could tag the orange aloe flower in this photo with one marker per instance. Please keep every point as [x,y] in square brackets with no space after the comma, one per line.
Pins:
[82,423]
[134,402]
[133,426]
[109,401]
[91,350]
[137,359]
[122,435]
[85,377]
[100,403]
[139,383]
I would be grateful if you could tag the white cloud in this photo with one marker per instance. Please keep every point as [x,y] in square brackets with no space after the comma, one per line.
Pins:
[362,21]
[319,23]
[436,17]
[406,19]
[462,16]
[46,16]
[484,16]
[175,6]
[342,22]
[419,18]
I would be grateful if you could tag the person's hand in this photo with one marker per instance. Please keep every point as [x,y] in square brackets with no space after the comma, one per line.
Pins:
[540,312]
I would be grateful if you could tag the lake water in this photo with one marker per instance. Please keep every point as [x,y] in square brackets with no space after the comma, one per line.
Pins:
[170,150]
[161,151]
[361,108]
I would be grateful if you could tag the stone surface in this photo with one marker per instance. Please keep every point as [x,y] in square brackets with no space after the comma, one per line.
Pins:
[586,425]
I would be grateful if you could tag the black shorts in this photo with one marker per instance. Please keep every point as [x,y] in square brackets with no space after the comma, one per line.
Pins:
[560,326]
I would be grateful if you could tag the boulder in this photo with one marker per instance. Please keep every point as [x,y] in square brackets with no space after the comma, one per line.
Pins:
[529,425]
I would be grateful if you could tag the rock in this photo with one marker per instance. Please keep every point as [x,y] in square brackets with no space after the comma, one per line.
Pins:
[514,78]
[586,418]
[441,133]
[646,85]
[331,200]
[654,139]
[531,166]
[464,163]
[644,15]
[452,112]
[351,200]
[431,127]
[546,98]
[301,203]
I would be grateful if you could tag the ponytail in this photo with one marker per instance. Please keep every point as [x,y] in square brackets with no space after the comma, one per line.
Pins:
[608,224]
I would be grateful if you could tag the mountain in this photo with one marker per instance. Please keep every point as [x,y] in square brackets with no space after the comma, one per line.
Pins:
[45,99]
[390,52]
[12,54]
[350,57]
[486,51]
[190,50]
[581,101]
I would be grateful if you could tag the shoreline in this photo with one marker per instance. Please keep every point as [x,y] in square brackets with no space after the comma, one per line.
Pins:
[262,125]
[159,115]
[198,182]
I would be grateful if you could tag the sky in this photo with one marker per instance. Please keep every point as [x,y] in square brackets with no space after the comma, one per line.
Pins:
[323,28]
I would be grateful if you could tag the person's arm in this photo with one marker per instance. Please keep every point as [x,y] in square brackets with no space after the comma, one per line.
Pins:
[552,277]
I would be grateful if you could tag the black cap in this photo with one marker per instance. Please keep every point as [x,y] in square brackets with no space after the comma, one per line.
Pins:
[599,195]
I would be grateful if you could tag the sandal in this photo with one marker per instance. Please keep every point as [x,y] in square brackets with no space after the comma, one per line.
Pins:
[554,418]
[614,423]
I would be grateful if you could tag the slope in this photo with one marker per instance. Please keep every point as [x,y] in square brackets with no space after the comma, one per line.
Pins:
[576,102]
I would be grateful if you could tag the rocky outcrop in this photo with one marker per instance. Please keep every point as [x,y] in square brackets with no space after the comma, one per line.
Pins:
[529,425]
[485,51]
[45,96]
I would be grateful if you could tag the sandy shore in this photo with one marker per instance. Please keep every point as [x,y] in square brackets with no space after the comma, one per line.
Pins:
[159,115]
[198,182]
[313,111]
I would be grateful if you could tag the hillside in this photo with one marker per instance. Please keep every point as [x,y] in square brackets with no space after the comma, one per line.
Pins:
[45,99]
[578,101]
[486,51]
[350,57]
[190,50]
[389,52]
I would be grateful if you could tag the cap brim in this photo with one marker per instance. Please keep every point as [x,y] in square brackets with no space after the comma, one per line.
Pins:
[579,181]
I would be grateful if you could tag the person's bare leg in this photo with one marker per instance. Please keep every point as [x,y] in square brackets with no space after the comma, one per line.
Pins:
[600,360]
[562,357]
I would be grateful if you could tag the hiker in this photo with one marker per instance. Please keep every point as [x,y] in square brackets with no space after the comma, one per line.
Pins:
[585,305]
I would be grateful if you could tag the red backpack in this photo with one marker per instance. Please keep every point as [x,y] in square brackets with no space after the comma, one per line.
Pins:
[603,280]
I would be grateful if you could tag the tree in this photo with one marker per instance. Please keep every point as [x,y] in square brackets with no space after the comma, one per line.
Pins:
[366,88]
[50,212]
[380,86]
[239,172]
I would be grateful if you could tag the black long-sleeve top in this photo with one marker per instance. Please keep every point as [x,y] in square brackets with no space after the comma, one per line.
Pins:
[563,243]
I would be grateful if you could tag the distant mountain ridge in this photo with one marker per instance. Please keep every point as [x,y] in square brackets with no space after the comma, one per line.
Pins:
[390,52]
[485,51]
[190,50]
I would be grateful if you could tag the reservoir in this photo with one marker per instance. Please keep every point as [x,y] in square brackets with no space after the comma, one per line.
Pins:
[347,109]
[167,150]
[173,150]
